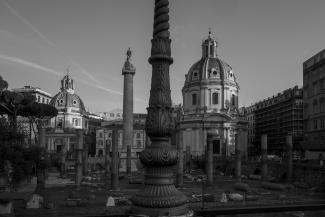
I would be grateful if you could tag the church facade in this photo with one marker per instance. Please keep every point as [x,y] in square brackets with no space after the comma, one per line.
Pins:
[62,130]
[210,106]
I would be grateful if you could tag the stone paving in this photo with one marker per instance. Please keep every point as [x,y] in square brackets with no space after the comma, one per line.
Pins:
[61,198]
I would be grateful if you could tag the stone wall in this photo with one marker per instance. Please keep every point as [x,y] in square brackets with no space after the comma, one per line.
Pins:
[312,175]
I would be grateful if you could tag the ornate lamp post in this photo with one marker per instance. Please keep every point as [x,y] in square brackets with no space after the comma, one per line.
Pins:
[159,196]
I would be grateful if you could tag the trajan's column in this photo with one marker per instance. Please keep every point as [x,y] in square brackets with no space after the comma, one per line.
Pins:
[128,72]
[159,196]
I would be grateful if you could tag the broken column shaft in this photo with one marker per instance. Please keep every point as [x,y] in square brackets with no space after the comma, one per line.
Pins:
[188,159]
[238,157]
[180,167]
[78,164]
[209,154]
[85,158]
[115,160]
[264,157]
[289,157]
[40,173]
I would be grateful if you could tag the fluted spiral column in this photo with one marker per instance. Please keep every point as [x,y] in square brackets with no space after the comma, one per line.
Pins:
[159,196]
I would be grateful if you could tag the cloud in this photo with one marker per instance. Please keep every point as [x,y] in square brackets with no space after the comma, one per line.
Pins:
[48,41]
[110,90]
[29,64]
[54,72]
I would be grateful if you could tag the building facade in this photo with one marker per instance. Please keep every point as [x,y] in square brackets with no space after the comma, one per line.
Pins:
[29,128]
[40,95]
[314,105]
[94,123]
[249,113]
[104,139]
[61,132]
[112,114]
[210,106]
[277,117]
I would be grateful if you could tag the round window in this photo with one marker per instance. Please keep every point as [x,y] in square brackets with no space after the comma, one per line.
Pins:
[61,101]
[74,102]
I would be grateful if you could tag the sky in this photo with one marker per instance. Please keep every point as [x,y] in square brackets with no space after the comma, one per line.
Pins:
[264,41]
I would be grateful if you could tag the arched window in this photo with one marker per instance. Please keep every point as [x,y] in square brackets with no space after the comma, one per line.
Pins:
[59,123]
[233,99]
[194,99]
[215,98]
[211,50]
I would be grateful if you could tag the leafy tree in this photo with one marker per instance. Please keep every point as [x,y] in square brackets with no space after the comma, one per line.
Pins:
[3,84]
[3,87]
[24,161]
[12,102]
[37,113]
[15,102]
[16,160]
[12,154]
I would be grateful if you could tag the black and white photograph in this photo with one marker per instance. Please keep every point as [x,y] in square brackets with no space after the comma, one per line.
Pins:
[156,108]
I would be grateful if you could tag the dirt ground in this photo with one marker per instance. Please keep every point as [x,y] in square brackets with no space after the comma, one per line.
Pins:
[92,197]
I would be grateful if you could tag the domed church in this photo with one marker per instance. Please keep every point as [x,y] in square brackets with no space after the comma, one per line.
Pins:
[210,105]
[72,115]
[71,109]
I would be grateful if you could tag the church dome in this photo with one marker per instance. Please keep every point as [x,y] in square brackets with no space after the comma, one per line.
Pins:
[66,98]
[210,84]
[210,67]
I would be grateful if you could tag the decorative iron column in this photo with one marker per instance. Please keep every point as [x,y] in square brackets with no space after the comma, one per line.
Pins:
[159,196]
